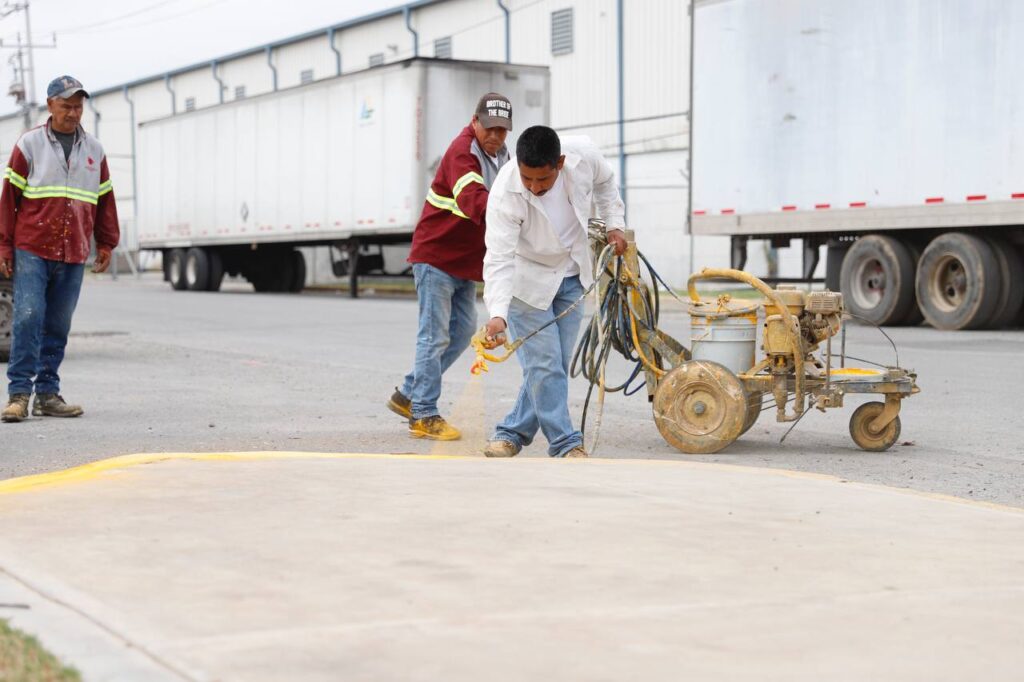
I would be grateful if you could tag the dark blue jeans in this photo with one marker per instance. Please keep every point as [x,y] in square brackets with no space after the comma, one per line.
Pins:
[45,296]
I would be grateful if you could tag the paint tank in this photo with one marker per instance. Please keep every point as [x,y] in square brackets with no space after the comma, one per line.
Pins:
[724,331]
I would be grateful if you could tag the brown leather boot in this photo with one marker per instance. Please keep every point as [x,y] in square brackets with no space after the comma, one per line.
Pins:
[17,408]
[52,405]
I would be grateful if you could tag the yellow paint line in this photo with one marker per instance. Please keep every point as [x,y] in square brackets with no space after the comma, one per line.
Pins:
[93,470]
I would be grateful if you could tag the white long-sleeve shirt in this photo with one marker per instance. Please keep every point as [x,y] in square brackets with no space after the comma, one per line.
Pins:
[525,258]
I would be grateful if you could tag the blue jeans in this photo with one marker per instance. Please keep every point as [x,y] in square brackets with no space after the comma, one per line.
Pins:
[446,325]
[543,400]
[45,296]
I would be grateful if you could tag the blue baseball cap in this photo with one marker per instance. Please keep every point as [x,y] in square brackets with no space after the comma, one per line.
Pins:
[64,87]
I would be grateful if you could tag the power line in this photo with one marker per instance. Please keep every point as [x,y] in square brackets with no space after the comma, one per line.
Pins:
[110,20]
[158,20]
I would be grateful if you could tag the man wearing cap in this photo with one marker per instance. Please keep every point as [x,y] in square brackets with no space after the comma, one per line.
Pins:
[447,256]
[56,196]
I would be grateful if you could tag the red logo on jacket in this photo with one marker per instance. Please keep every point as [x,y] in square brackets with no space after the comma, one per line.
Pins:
[89,160]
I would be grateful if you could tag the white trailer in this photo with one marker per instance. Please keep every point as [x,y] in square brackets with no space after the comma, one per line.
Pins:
[344,163]
[890,131]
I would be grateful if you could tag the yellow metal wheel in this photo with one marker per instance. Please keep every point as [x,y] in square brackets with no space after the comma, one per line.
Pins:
[700,407]
[864,437]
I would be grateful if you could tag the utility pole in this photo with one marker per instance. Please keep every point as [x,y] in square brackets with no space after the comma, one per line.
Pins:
[24,88]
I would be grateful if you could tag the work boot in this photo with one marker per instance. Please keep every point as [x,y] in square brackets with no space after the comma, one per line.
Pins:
[501,448]
[400,405]
[433,428]
[577,451]
[17,408]
[52,405]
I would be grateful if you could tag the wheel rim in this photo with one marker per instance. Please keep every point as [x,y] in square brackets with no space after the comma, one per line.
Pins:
[868,284]
[700,407]
[948,283]
[191,272]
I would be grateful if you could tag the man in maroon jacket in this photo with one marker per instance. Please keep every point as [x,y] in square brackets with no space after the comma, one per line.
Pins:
[56,196]
[447,256]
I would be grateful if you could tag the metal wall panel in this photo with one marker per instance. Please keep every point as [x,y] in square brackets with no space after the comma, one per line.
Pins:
[387,36]
[314,53]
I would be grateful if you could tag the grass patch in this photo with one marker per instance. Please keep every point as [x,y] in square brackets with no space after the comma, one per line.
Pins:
[22,659]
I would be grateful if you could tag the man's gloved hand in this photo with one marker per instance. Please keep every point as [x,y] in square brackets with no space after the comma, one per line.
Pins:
[495,336]
[102,261]
[7,268]
[617,238]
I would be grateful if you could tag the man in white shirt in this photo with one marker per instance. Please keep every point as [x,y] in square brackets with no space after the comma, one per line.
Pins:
[537,265]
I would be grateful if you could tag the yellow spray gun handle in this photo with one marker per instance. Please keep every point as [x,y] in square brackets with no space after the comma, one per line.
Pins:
[483,355]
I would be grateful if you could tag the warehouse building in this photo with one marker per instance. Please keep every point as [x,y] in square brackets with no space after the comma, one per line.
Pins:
[619,74]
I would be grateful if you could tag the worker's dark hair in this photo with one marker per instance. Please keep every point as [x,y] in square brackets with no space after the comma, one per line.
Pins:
[538,147]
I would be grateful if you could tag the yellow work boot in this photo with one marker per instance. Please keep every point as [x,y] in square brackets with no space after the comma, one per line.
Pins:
[433,428]
[577,451]
[17,408]
[400,405]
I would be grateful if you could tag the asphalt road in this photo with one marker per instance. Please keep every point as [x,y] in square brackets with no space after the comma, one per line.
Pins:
[164,371]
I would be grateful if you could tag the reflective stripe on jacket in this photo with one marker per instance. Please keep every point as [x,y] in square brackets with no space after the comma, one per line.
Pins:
[52,207]
[450,232]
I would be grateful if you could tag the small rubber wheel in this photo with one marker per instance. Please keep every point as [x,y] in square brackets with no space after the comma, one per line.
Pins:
[864,437]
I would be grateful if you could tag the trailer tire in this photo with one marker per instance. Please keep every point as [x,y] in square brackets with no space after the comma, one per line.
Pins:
[6,318]
[298,280]
[1011,284]
[216,270]
[958,282]
[176,269]
[877,280]
[197,269]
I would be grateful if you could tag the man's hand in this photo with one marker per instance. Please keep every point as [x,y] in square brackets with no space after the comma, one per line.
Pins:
[6,268]
[495,335]
[102,261]
[617,238]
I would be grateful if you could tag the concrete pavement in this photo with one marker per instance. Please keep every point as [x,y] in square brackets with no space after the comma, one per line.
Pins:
[281,566]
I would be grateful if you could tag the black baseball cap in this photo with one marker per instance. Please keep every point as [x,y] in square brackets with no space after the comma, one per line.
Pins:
[494,111]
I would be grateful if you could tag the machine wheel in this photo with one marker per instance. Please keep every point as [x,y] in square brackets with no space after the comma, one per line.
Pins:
[197,269]
[298,281]
[176,269]
[877,279]
[958,282]
[700,407]
[862,434]
[216,270]
[6,318]
[755,401]
[1011,283]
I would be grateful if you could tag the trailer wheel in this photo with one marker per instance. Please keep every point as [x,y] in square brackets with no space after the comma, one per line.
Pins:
[216,270]
[197,269]
[176,269]
[877,280]
[958,282]
[6,318]
[1011,283]
[298,281]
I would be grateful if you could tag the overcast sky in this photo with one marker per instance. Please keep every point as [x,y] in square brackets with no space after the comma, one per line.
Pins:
[108,43]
